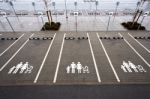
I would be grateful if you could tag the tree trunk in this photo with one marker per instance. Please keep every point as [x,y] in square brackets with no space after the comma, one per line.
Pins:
[139,16]
[48,16]
[135,17]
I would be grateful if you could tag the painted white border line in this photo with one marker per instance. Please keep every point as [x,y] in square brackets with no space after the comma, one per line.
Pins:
[135,51]
[11,45]
[95,64]
[58,63]
[139,43]
[15,53]
[43,62]
[112,67]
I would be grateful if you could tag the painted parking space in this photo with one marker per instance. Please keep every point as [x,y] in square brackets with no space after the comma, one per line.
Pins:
[76,58]
[11,50]
[23,66]
[129,67]
[140,48]
[47,71]
[142,40]
[76,65]
[105,70]
[7,41]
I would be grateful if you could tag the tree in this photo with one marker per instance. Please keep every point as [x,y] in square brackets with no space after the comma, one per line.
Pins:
[137,11]
[48,12]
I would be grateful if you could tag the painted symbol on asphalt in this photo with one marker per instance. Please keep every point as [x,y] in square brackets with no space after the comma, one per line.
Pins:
[77,68]
[21,68]
[130,67]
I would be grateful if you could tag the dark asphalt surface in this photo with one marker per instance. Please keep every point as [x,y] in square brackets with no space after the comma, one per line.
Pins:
[75,86]
[76,92]
[120,52]
[73,52]
[76,50]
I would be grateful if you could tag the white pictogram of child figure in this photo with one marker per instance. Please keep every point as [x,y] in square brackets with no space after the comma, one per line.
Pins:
[68,69]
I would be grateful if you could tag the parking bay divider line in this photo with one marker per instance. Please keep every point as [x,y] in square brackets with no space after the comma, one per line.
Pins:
[43,62]
[59,58]
[109,60]
[139,43]
[11,45]
[15,54]
[135,50]
[93,56]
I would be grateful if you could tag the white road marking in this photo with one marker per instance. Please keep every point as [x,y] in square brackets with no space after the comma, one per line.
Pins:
[43,62]
[139,43]
[114,71]
[95,64]
[58,63]
[15,54]
[11,45]
[0,34]
[135,51]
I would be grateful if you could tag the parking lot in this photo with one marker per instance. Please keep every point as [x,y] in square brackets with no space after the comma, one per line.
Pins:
[67,58]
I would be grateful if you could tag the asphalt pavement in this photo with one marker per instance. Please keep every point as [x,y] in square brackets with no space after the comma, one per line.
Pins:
[66,58]
[75,65]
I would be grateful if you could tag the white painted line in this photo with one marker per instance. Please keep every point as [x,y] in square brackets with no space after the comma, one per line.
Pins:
[11,45]
[135,51]
[15,54]
[0,34]
[95,64]
[139,43]
[43,62]
[58,63]
[112,67]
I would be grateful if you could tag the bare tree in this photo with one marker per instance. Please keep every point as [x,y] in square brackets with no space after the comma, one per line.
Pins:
[48,12]
[138,12]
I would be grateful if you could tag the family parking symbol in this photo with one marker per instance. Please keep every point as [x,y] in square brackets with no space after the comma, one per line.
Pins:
[77,68]
[23,68]
[130,67]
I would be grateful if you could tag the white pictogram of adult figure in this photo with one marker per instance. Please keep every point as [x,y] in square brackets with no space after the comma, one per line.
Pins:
[79,67]
[24,67]
[68,69]
[132,66]
[127,66]
[18,67]
[73,67]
